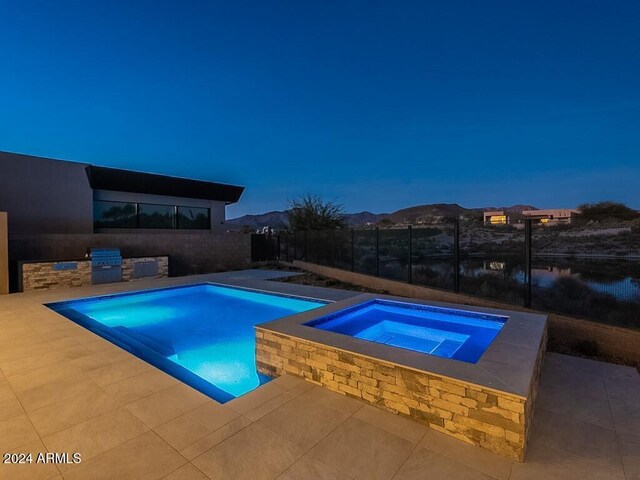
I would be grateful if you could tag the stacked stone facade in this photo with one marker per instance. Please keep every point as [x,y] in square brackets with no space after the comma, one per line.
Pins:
[495,420]
[43,276]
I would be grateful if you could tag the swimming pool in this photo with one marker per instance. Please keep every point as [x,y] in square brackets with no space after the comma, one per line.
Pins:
[443,332]
[201,334]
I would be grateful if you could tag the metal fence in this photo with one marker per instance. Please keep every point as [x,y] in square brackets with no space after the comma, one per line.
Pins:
[584,268]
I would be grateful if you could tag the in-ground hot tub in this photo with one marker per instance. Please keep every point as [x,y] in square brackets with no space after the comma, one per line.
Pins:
[471,373]
[444,332]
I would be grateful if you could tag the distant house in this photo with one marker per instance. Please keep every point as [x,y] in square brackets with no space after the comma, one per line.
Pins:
[42,196]
[552,216]
[549,217]
[501,217]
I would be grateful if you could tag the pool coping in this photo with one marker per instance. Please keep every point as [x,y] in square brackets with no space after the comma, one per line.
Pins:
[507,366]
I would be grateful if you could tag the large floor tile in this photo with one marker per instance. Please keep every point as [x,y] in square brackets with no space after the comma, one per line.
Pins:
[559,376]
[302,423]
[255,453]
[186,398]
[71,411]
[146,457]
[623,388]
[324,396]
[220,435]
[127,390]
[9,404]
[15,432]
[593,442]
[392,423]
[273,404]
[155,380]
[53,392]
[626,415]
[255,398]
[186,472]
[543,462]
[118,371]
[288,382]
[363,451]
[91,361]
[212,415]
[475,457]
[40,376]
[26,365]
[97,435]
[154,410]
[424,463]
[630,450]
[310,468]
[572,404]
[181,432]
[33,471]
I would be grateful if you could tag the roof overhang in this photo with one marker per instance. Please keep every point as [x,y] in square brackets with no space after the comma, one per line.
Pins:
[115,179]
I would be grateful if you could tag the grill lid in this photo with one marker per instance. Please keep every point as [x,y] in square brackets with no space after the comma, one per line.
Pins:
[104,252]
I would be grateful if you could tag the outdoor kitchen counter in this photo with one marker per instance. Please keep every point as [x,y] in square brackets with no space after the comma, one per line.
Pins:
[76,272]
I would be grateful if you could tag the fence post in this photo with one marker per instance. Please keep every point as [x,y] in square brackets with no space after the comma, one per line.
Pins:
[306,245]
[278,252]
[333,248]
[410,263]
[527,262]
[456,256]
[318,246]
[353,250]
[295,245]
[377,252]
[286,248]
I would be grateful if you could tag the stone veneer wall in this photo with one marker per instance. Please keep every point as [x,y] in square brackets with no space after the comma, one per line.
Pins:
[42,276]
[491,419]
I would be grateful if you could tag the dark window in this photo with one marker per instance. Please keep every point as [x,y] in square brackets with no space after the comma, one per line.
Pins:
[114,215]
[194,218]
[156,216]
[108,214]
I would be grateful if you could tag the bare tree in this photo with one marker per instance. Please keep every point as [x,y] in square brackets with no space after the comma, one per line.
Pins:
[312,212]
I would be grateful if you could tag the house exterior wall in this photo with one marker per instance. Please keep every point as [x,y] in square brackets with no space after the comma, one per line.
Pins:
[4,255]
[552,216]
[45,196]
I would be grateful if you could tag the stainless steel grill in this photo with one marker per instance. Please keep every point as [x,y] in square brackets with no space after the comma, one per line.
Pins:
[106,265]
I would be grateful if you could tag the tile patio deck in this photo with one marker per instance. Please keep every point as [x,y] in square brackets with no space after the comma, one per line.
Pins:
[64,389]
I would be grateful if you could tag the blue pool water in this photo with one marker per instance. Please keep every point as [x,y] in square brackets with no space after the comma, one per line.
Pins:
[443,332]
[201,334]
